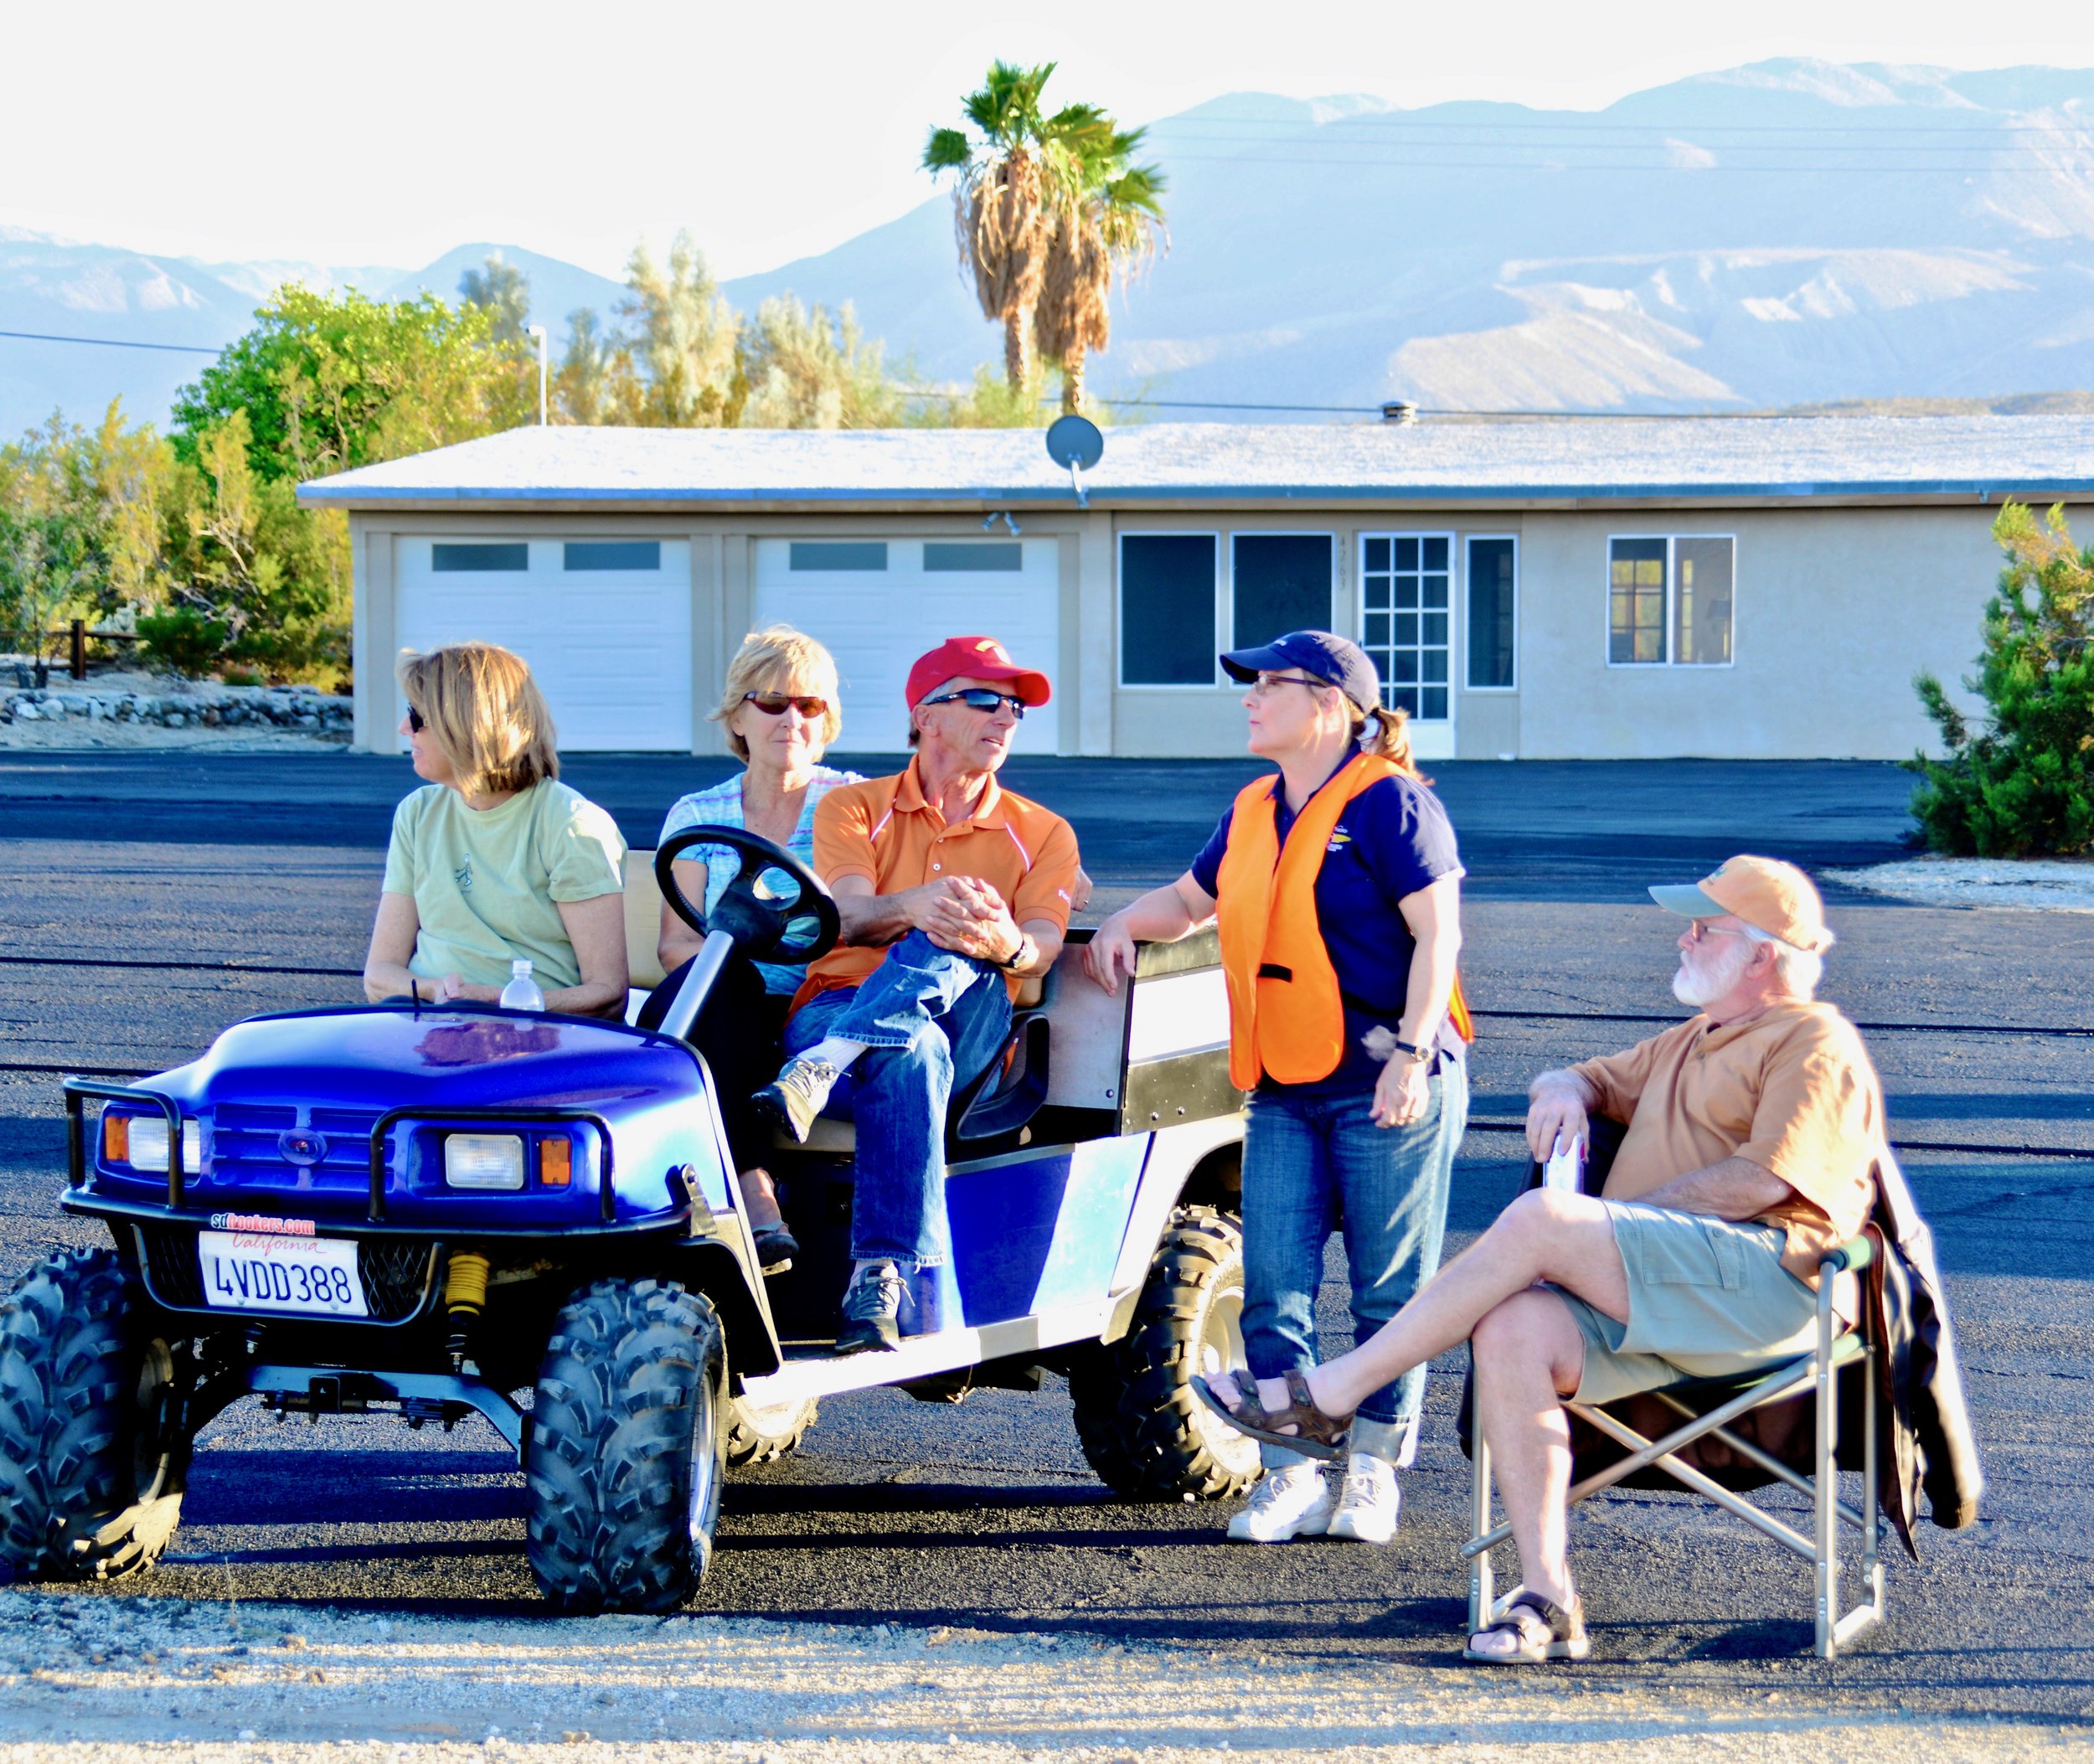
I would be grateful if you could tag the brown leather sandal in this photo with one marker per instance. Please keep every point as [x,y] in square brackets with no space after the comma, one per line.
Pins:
[1543,1629]
[1316,1435]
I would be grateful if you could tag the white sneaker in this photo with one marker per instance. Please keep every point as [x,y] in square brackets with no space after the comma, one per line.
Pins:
[1295,1502]
[1368,1504]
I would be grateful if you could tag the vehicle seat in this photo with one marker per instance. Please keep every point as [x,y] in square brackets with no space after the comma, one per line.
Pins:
[643,930]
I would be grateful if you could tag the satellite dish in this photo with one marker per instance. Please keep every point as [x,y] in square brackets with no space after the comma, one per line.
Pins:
[1075,441]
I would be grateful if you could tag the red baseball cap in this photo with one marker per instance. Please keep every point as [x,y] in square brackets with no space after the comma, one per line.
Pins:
[977,657]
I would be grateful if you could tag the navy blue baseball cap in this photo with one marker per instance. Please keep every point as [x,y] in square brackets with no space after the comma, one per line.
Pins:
[1323,655]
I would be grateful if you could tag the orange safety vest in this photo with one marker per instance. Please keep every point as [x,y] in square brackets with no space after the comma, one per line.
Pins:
[1287,1014]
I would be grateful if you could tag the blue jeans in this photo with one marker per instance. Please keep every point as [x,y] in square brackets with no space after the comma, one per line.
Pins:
[930,1019]
[1302,1157]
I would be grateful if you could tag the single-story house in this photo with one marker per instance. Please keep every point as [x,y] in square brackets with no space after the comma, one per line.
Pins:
[1609,589]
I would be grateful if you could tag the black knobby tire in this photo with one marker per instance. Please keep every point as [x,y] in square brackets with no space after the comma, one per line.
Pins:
[1140,1428]
[91,1466]
[626,1449]
[761,1435]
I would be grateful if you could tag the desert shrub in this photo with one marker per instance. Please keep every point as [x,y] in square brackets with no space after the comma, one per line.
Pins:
[2021,782]
[181,640]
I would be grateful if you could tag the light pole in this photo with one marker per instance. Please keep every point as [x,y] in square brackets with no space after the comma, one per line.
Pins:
[539,331]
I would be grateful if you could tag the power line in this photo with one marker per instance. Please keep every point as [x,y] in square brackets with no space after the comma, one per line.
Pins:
[112,343]
[1578,165]
[1701,126]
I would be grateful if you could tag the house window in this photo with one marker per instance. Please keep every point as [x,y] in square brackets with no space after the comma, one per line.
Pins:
[445,560]
[838,555]
[1167,609]
[1405,592]
[1670,600]
[970,555]
[1493,610]
[611,554]
[1279,582]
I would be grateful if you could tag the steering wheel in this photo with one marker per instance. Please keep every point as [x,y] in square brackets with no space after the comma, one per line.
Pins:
[775,909]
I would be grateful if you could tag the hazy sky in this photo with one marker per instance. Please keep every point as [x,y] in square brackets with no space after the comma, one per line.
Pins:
[381,133]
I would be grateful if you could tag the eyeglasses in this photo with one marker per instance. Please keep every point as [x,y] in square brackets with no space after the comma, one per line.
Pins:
[1263,683]
[980,698]
[1698,929]
[776,703]
[416,720]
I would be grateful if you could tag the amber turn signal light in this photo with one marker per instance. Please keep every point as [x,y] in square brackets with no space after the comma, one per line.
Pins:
[555,1161]
[117,1138]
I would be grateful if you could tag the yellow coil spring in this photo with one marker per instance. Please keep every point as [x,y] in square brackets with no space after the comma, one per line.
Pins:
[466,1283]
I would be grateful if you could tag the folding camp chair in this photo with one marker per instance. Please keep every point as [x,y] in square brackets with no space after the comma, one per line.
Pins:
[1713,1409]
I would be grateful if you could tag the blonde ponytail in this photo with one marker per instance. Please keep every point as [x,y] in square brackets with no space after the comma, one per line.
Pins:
[1387,733]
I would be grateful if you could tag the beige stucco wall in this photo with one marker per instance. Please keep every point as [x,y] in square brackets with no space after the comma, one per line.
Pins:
[1836,610]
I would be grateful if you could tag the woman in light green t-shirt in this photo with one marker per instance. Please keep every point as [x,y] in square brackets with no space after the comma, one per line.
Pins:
[494,860]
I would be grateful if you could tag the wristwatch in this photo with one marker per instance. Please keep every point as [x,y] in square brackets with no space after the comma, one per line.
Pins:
[1418,1055]
[1017,957]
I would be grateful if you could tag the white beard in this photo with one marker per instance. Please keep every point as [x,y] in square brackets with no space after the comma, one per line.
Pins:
[1700,987]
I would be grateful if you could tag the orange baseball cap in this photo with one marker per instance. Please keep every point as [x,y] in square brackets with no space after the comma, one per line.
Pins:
[1774,897]
[975,657]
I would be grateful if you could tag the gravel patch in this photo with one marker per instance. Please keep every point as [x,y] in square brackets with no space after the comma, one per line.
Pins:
[86,1678]
[2060,885]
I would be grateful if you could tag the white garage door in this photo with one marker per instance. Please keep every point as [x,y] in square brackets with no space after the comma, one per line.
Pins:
[605,624]
[878,604]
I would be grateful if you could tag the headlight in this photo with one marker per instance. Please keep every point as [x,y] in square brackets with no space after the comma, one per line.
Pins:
[141,1141]
[484,1161]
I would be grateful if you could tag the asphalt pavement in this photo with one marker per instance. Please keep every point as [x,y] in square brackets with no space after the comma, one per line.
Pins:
[251,881]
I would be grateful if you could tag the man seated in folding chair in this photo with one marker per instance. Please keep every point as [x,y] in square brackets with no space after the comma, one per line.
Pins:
[1752,1133]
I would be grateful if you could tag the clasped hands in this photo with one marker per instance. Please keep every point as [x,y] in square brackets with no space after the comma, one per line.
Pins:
[966,915]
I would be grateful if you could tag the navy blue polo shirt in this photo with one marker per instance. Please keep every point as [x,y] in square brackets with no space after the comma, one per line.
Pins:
[1393,839]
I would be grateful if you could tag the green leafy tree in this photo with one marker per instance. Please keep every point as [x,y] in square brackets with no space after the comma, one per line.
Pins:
[131,472]
[1015,169]
[503,292]
[329,382]
[2022,783]
[249,568]
[683,340]
[810,370]
[49,558]
[321,384]
[595,382]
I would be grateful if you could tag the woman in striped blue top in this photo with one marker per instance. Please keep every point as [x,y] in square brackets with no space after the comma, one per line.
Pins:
[781,712]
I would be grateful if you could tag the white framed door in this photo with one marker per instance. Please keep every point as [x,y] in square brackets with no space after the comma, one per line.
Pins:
[1406,625]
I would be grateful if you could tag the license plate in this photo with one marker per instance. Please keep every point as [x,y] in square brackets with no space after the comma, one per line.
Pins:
[313,1275]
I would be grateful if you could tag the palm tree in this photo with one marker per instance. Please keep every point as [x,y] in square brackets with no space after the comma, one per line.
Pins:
[1014,174]
[1112,225]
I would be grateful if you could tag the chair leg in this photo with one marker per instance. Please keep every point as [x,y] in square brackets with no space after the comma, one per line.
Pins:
[1481,1590]
[1871,1517]
[1828,1493]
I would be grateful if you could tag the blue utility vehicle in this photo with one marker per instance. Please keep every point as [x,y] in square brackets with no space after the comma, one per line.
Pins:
[440,1213]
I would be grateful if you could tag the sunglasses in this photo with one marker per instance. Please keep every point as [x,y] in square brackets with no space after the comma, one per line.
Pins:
[980,698]
[1699,929]
[775,705]
[416,720]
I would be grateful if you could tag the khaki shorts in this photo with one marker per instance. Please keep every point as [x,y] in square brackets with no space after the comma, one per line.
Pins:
[1707,1298]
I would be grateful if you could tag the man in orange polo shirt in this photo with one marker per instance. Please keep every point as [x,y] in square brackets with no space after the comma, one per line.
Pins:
[952,891]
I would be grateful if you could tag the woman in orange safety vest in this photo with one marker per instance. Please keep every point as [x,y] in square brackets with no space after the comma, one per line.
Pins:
[1336,887]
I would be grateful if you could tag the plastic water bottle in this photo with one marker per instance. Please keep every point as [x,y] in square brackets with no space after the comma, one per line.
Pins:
[1566,1168]
[522,992]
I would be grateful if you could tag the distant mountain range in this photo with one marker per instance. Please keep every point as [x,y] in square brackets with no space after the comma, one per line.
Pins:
[56,287]
[1790,232]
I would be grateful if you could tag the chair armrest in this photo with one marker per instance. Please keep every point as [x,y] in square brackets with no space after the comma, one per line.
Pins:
[1852,1256]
